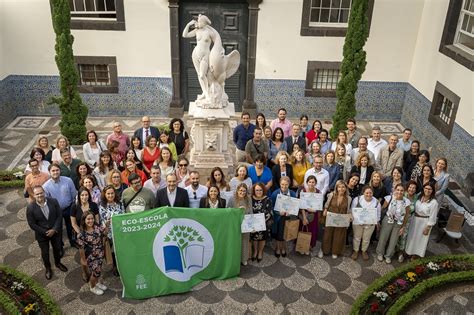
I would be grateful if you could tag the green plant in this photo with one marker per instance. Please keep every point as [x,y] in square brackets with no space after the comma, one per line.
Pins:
[7,304]
[353,65]
[73,111]
[405,300]
[47,301]
[11,179]
[360,303]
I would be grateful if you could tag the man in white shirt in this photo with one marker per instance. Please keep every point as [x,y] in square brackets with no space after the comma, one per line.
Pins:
[195,191]
[376,143]
[322,176]
[155,182]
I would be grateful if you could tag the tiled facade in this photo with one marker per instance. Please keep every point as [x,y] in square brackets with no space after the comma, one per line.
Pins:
[376,101]
[459,149]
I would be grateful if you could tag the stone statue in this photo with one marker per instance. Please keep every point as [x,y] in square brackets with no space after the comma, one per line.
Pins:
[213,67]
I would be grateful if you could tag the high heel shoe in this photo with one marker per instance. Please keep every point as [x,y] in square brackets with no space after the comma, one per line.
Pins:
[259,259]
[277,255]
[283,254]
[253,258]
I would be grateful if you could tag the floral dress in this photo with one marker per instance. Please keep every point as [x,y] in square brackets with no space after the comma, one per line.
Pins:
[106,212]
[91,242]
[262,206]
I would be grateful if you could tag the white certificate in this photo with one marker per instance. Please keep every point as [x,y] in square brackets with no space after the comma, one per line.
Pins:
[253,223]
[287,204]
[364,216]
[313,201]
[337,220]
[226,195]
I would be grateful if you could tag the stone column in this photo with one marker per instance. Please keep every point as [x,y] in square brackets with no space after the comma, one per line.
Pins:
[176,106]
[249,104]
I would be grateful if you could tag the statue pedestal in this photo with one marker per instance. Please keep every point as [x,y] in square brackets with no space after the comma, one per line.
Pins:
[210,134]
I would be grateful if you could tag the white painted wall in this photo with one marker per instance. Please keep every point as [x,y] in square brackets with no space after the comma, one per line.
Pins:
[429,65]
[139,50]
[390,46]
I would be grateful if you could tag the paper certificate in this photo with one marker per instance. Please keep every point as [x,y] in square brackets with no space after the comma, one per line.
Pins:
[313,201]
[253,223]
[337,220]
[364,216]
[287,204]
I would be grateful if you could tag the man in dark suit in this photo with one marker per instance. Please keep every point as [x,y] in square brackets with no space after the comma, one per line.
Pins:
[45,218]
[146,130]
[295,138]
[172,195]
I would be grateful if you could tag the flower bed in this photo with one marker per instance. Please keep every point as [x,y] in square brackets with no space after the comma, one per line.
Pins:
[21,294]
[11,179]
[392,293]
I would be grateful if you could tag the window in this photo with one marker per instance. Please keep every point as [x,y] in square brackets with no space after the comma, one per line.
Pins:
[97,14]
[465,32]
[328,17]
[322,78]
[335,12]
[443,109]
[97,74]
[457,41]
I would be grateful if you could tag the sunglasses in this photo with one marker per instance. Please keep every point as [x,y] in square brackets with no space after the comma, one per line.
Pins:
[182,165]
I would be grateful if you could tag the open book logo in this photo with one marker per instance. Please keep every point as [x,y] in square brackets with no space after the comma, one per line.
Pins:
[182,248]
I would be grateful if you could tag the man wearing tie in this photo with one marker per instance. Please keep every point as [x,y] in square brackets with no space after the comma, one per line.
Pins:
[45,218]
[146,130]
[172,195]
[295,138]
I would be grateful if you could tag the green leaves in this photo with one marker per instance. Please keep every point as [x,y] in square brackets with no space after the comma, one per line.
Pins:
[183,235]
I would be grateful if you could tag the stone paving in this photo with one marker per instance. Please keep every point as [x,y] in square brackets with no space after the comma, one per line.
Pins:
[296,284]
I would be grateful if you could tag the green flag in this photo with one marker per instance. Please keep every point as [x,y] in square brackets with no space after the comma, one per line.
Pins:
[170,250]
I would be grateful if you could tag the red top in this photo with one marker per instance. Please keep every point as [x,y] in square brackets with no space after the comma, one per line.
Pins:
[148,159]
[125,174]
[311,136]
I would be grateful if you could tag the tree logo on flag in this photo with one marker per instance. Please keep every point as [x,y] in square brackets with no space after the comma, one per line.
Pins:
[182,248]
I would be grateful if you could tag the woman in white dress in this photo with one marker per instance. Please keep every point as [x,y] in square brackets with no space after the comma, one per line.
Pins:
[426,212]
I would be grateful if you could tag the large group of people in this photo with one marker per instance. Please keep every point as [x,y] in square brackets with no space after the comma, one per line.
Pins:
[123,174]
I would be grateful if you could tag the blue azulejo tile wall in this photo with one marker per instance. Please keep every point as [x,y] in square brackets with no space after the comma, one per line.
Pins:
[374,100]
[29,95]
[459,150]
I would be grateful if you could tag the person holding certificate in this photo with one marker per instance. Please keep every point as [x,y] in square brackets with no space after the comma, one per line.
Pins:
[393,224]
[310,216]
[280,217]
[242,200]
[335,237]
[260,204]
[368,204]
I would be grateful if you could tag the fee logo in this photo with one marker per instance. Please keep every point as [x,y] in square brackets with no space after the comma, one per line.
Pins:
[182,248]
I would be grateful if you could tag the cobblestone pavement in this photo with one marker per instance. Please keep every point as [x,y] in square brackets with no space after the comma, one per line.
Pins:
[296,284]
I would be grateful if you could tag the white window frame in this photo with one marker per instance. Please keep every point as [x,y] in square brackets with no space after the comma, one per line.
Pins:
[326,24]
[113,14]
[459,31]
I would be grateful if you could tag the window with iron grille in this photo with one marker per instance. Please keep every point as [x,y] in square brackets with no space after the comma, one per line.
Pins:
[97,15]
[443,109]
[322,78]
[97,74]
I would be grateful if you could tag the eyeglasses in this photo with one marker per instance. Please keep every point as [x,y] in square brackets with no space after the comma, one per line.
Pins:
[136,183]
[182,165]
[115,176]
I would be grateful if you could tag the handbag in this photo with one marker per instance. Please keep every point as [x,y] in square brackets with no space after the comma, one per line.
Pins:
[291,229]
[107,250]
[303,242]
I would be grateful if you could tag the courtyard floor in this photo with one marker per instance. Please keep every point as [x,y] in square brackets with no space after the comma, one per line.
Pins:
[295,284]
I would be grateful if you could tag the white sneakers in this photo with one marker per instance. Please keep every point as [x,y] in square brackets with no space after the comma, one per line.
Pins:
[401,258]
[380,257]
[96,290]
[320,254]
[334,256]
[388,260]
[99,289]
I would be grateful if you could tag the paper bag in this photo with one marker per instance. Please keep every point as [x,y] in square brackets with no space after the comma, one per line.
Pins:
[291,229]
[108,251]
[455,222]
[303,242]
